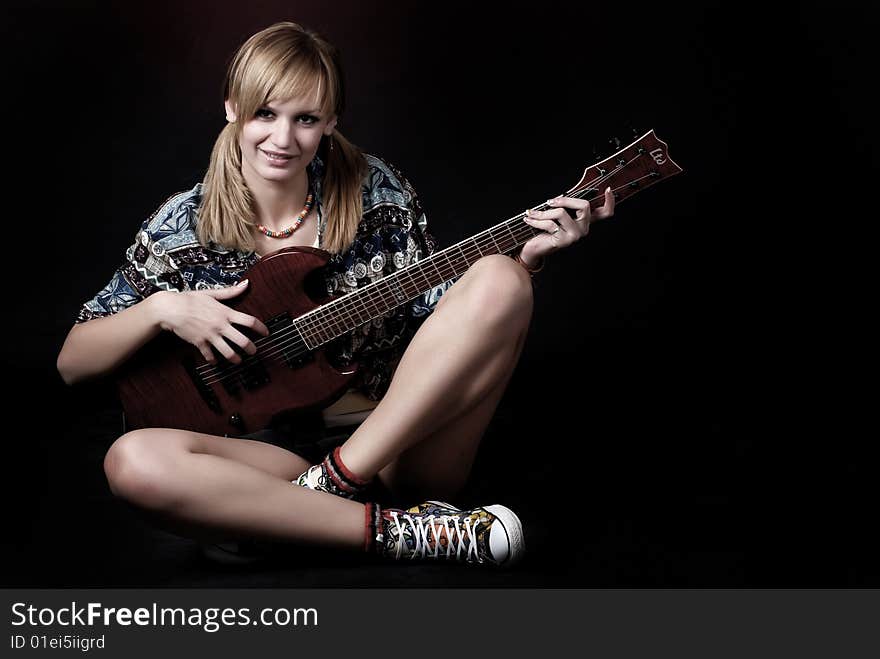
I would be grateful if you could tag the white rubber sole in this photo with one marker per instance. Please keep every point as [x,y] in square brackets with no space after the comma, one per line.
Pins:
[513,526]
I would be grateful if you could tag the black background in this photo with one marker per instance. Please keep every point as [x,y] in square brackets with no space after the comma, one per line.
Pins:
[683,413]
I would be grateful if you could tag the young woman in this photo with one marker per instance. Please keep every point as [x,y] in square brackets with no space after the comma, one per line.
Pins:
[431,374]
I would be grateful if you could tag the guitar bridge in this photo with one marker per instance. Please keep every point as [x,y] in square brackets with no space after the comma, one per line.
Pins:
[207,394]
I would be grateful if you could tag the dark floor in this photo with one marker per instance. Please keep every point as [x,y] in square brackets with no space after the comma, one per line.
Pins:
[656,485]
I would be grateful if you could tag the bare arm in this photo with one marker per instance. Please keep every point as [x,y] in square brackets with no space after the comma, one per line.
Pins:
[100,345]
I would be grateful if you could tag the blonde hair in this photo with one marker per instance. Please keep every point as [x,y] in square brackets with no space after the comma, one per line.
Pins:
[283,61]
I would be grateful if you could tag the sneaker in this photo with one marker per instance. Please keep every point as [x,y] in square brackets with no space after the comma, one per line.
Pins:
[331,476]
[314,478]
[490,535]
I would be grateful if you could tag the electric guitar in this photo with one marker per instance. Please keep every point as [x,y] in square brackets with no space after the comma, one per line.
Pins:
[168,383]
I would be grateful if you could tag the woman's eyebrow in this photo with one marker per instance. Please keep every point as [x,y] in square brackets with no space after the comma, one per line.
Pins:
[315,111]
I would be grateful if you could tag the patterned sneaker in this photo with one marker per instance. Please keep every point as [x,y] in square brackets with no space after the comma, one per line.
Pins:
[435,530]
[330,475]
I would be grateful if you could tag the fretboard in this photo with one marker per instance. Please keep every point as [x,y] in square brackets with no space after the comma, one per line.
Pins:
[346,313]
[636,167]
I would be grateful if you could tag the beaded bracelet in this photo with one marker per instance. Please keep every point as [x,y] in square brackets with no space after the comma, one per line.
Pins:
[531,271]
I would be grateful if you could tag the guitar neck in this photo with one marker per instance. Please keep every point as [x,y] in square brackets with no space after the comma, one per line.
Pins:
[350,311]
[636,167]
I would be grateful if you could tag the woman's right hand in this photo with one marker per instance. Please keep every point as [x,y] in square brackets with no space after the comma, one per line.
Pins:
[199,318]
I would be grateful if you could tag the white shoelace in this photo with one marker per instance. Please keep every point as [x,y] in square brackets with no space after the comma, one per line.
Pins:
[422,526]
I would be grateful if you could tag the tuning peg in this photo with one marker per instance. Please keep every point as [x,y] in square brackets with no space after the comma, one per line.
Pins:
[615,142]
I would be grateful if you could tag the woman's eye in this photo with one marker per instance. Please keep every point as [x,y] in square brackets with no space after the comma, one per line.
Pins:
[307,119]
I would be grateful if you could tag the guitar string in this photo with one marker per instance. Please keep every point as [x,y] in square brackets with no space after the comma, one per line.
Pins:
[294,338]
[317,323]
[278,343]
[375,297]
[338,306]
[233,370]
[523,231]
[312,323]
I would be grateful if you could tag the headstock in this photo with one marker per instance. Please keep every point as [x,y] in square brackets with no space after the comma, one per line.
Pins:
[632,169]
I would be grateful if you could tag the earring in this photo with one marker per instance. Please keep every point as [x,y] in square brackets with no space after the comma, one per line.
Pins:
[331,142]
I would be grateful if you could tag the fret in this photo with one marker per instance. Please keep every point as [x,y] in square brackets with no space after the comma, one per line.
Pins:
[512,235]
[334,322]
[448,267]
[377,298]
[397,290]
[328,322]
[323,335]
[476,244]
[412,282]
[451,264]
[481,248]
[419,269]
[498,249]
[382,296]
[440,274]
[308,332]
[306,336]
[371,302]
[355,309]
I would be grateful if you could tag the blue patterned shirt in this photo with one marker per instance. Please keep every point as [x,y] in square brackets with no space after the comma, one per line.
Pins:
[167,256]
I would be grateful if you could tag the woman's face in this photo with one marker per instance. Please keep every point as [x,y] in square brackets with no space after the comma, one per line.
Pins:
[291,129]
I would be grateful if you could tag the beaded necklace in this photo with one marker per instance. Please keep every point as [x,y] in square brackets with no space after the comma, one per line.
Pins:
[310,198]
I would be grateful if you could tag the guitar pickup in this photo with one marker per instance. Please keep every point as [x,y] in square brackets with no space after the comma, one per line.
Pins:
[288,342]
[250,373]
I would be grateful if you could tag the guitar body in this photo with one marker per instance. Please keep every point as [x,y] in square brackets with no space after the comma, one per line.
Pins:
[169,384]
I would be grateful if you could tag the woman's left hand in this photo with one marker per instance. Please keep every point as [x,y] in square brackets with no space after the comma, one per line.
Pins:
[559,228]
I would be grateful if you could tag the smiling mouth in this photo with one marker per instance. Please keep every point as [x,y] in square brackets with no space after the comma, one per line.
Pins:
[276,156]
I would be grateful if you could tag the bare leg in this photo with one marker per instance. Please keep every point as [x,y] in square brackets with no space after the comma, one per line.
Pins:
[438,466]
[214,488]
[448,382]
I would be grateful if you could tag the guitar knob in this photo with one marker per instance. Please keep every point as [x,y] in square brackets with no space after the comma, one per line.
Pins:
[236,421]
